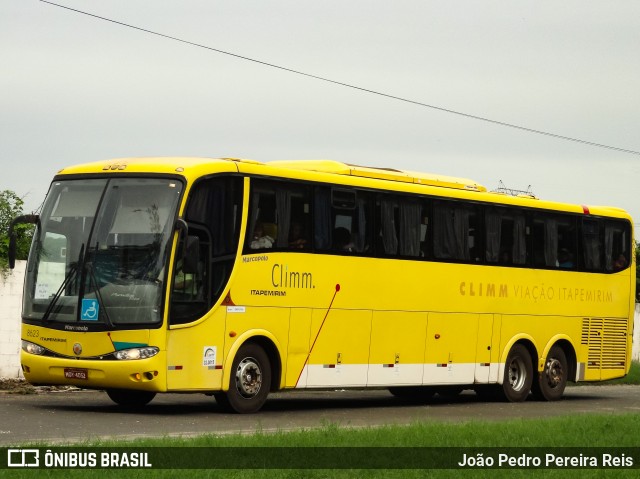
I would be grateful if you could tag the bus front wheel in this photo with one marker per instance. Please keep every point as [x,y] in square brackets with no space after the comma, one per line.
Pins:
[518,374]
[130,398]
[250,380]
[553,379]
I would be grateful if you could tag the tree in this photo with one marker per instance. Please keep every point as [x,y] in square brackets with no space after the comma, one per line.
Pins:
[10,207]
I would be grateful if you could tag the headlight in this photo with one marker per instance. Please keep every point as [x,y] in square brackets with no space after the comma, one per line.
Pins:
[136,353]
[32,348]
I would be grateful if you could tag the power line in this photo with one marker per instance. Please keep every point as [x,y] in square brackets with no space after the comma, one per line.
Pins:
[354,87]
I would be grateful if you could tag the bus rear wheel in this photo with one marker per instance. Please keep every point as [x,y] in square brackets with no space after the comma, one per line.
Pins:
[130,398]
[518,374]
[553,379]
[250,380]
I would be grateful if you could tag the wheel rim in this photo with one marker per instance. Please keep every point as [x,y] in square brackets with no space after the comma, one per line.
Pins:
[517,374]
[554,372]
[248,378]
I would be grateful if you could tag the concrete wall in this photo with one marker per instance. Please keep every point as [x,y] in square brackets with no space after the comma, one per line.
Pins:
[11,306]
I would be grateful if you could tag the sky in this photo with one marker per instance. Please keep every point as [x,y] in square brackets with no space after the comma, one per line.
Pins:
[75,89]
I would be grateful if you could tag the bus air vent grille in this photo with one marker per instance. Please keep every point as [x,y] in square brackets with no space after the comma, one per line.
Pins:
[607,342]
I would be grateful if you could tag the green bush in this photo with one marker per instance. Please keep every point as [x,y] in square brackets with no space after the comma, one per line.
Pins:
[10,207]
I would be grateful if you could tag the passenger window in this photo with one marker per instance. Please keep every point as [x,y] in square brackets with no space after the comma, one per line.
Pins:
[617,246]
[505,237]
[279,217]
[592,245]
[456,232]
[605,245]
[343,221]
[554,242]
[403,223]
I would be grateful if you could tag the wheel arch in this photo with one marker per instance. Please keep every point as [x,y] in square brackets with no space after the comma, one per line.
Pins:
[525,340]
[271,347]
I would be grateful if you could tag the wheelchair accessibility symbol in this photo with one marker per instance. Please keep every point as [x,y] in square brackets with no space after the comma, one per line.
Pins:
[90,308]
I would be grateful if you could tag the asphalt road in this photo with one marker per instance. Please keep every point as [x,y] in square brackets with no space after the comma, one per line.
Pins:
[83,415]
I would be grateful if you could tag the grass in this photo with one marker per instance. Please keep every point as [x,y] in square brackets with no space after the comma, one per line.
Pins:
[632,378]
[549,436]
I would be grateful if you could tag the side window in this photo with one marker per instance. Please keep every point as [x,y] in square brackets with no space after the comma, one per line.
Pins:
[343,221]
[191,287]
[592,244]
[505,236]
[617,249]
[456,232]
[403,226]
[279,217]
[554,239]
[605,245]
[213,217]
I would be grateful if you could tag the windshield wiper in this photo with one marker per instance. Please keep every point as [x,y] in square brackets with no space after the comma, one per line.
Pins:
[73,272]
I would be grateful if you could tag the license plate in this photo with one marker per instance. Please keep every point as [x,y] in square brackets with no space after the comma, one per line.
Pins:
[76,373]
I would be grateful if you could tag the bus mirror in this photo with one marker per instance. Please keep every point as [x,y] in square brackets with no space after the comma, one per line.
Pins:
[191,255]
[181,225]
[13,238]
[12,250]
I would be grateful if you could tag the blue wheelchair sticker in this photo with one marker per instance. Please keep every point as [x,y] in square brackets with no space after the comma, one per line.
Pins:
[90,308]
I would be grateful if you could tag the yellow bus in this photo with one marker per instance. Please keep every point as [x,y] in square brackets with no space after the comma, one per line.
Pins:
[236,278]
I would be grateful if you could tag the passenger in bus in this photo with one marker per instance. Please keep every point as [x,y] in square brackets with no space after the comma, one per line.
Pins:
[182,282]
[342,240]
[187,286]
[565,259]
[261,240]
[297,238]
[620,263]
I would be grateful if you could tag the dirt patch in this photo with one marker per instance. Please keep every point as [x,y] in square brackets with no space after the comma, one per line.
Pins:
[20,386]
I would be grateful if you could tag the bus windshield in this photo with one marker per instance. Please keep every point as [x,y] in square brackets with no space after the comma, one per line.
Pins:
[100,252]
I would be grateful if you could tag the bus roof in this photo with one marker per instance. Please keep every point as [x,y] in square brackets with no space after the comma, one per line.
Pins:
[179,164]
[170,165]
[390,174]
[195,167]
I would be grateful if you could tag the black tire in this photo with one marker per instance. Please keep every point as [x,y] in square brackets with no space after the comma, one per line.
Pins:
[250,380]
[413,393]
[518,374]
[223,401]
[130,398]
[552,380]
